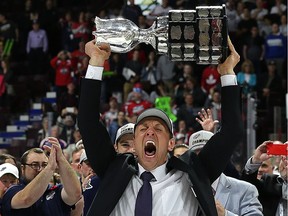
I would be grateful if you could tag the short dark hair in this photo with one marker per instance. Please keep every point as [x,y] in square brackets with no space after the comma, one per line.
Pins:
[4,157]
[23,159]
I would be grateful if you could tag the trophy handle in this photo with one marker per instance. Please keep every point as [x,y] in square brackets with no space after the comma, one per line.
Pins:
[225,49]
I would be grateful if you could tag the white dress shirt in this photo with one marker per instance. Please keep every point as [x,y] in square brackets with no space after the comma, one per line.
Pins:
[171,194]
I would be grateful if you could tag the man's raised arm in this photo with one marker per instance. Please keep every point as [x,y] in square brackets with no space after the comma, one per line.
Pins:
[95,137]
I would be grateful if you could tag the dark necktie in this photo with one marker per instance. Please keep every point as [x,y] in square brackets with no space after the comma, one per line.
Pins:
[144,198]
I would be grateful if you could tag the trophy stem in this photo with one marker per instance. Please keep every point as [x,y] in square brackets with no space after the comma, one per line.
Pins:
[156,35]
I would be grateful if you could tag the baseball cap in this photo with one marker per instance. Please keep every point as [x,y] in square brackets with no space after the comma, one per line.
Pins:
[79,144]
[125,129]
[199,139]
[155,112]
[8,168]
[137,87]
[83,157]
[45,142]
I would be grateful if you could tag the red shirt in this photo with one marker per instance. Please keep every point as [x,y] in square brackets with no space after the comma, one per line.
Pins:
[210,78]
[134,108]
[63,71]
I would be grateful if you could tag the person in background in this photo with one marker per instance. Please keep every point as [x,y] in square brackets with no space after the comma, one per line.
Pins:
[259,12]
[37,48]
[138,88]
[63,68]
[179,149]
[66,123]
[90,182]
[37,170]
[181,128]
[188,113]
[75,157]
[137,103]
[112,112]
[9,175]
[283,26]
[247,78]
[213,103]
[180,138]
[160,90]
[68,98]
[148,74]
[232,196]
[116,124]
[132,73]
[210,78]
[265,167]
[254,49]
[6,87]
[190,86]
[124,139]
[7,158]
[166,72]
[278,8]
[131,11]
[272,188]
[159,10]
[276,48]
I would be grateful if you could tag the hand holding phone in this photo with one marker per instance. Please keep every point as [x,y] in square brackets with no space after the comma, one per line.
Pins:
[277,149]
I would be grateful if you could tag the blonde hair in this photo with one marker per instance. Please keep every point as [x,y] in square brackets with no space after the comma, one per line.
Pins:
[245,63]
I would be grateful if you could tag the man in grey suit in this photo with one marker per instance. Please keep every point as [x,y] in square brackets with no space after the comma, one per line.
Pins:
[232,196]
[180,186]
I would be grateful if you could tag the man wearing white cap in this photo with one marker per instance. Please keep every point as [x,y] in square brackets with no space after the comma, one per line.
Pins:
[9,175]
[124,139]
[232,196]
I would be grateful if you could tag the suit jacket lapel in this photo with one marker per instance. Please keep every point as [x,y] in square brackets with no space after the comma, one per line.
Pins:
[113,185]
[223,190]
[201,185]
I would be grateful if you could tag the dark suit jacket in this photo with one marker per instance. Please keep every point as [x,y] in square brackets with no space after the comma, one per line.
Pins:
[270,191]
[116,171]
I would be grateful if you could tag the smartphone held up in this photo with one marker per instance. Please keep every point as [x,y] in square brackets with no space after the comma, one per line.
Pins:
[277,149]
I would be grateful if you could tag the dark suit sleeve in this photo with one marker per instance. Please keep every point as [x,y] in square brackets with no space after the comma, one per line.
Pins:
[97,142]
[268,184]
[217,152]
[270,190]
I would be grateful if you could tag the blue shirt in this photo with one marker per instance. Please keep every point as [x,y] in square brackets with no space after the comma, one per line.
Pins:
[50,203]
[90,192]
[37,39]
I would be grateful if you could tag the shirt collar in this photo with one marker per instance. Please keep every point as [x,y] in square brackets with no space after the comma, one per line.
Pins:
[215,184]
[158,173]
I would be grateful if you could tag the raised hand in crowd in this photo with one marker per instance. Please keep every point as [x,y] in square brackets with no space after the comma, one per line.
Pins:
[260,153]
[206,120]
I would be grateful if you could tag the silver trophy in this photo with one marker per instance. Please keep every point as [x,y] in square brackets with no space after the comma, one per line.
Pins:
[198,35]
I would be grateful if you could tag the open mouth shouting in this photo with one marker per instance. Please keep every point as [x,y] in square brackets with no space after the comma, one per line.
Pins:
[150,148]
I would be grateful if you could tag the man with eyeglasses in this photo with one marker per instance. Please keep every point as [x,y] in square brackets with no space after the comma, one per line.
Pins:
[34,195]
